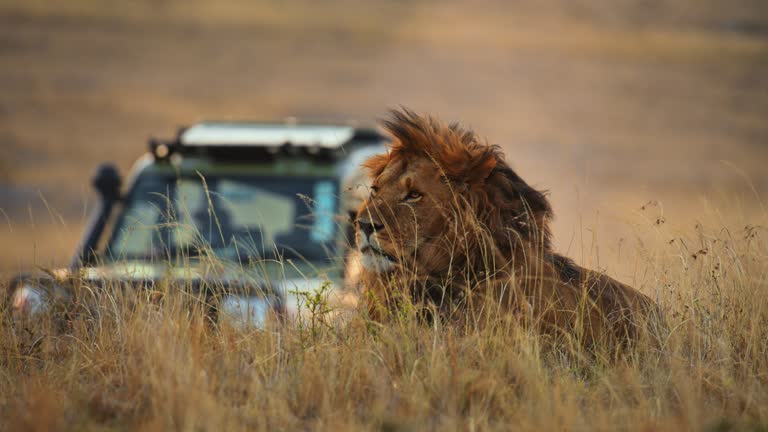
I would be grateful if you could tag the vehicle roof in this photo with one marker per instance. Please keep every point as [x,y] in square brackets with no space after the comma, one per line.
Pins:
[267,134]
[264,142]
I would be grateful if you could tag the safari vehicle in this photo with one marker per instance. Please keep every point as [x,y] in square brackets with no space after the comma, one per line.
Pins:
[248,215]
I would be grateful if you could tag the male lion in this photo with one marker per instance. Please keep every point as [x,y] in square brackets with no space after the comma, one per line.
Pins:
[449,225]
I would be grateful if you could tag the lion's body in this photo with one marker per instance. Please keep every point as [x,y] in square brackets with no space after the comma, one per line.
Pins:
[451,226]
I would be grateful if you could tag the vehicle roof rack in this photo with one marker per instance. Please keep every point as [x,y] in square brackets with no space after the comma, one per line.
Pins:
[253,140]
[266,135]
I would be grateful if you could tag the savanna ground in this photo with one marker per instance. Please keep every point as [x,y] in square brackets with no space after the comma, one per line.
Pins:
[646,120]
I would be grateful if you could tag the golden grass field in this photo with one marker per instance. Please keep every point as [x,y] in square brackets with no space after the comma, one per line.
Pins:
[647,121]
[122,360]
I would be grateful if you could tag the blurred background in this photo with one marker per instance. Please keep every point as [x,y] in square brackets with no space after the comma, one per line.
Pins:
[642,117]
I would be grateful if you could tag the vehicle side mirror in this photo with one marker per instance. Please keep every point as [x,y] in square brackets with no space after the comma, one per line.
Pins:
[107,182]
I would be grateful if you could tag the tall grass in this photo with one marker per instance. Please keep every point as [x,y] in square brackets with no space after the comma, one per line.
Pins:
[153,360]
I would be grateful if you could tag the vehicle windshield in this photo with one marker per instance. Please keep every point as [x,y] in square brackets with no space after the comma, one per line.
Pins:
[234,217]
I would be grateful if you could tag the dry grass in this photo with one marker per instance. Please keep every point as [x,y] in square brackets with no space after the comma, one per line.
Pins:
[123,360]
[608,104]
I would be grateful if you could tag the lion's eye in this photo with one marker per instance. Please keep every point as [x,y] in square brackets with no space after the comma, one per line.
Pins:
[374,190]
[413,196]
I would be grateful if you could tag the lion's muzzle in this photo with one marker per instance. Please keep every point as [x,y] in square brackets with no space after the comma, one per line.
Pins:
[373,258]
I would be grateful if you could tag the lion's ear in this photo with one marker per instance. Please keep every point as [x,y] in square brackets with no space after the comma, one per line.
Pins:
[376,164]
[479,168]
[519,206]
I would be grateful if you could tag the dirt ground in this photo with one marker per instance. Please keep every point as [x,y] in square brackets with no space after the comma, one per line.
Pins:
[640,117]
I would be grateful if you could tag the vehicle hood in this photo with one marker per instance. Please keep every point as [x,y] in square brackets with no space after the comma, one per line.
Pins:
[279,277]
[221,271]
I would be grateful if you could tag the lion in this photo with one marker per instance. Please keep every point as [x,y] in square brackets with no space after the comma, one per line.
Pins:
[449,225]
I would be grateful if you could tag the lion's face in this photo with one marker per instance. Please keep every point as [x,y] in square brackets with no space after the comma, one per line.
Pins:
[405,217]
[442,197]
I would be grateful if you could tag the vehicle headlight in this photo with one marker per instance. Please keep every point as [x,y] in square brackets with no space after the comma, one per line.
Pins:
[296,290]
[29,299]
[245,311]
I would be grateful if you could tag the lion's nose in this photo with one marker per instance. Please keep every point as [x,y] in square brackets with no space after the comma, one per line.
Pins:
[368,227]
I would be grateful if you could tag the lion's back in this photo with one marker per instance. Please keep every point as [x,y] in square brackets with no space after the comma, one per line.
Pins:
[603,306]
